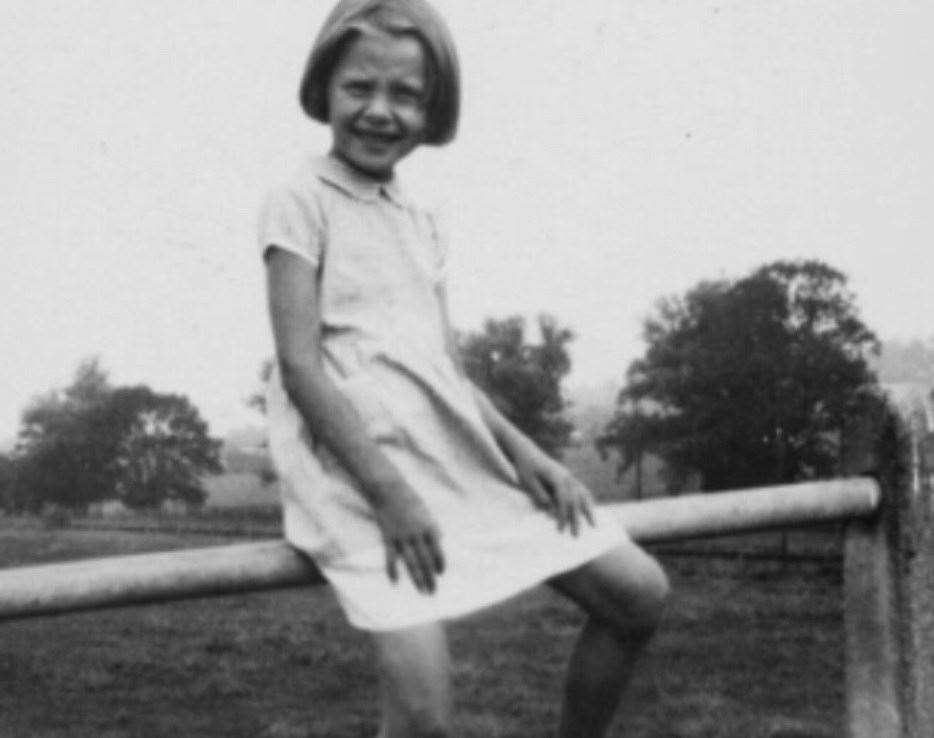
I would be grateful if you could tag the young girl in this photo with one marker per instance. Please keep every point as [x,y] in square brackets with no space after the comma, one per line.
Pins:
[416,498]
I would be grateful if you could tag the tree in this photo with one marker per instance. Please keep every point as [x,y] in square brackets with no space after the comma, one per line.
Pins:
[64,446]
[748,382]
[631,439]
[7,492]
[93,442]
[523,379]
[162,450]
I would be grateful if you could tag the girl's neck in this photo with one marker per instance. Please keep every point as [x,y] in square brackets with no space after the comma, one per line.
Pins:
[380,178]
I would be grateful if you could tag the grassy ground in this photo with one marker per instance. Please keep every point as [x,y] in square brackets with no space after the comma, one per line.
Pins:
[748,650]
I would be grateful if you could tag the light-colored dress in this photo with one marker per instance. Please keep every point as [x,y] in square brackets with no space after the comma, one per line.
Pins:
[380,260]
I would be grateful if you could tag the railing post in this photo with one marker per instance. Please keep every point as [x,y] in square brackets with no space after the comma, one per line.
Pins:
[871,601]
[917,571]
[889,585]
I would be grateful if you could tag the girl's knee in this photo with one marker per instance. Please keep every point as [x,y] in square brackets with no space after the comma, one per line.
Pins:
[626,589]
[645,584]
[652,594]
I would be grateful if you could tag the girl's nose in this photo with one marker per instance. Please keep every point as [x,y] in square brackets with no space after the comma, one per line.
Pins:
[377,109]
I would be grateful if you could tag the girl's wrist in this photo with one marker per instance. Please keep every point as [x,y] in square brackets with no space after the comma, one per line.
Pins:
[516,445]
[385,491]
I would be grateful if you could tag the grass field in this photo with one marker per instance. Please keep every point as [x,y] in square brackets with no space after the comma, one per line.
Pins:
[748,650]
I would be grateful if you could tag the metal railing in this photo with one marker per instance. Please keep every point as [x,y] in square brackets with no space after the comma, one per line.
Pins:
[154,577]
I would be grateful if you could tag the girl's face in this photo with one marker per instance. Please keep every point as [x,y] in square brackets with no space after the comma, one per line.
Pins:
[377,102]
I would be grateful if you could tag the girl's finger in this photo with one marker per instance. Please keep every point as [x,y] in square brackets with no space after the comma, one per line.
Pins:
[567,495]
[587,504]
[427,562]
[587,510]
[417,571]
[561,512]
[583,503]
[572,517]
[434,550]
[392,558]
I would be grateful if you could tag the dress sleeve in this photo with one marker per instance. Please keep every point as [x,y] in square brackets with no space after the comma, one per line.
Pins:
[291,222]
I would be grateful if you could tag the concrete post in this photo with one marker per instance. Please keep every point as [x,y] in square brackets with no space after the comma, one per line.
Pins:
[871,600]
[917,572]
[889,583]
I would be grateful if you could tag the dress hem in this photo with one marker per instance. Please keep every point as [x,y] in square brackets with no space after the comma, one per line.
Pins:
[475,579]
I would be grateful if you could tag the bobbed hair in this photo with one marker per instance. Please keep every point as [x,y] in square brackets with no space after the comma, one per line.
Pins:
[415,18]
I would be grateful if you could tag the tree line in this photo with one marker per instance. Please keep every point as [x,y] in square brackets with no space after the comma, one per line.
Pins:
[744,382]
[748,382]
[93,442]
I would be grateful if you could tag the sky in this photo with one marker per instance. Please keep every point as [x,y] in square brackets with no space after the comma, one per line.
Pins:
[611,152]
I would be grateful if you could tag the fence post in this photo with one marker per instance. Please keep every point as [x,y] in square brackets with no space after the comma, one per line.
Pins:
[917,573]
[889,584]
[870,601]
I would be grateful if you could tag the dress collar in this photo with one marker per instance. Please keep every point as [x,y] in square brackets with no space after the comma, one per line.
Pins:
[335,172]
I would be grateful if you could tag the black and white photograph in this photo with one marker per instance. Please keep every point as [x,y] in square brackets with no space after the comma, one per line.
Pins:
[466,369]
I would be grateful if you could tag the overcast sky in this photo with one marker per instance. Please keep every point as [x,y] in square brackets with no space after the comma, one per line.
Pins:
[611,152]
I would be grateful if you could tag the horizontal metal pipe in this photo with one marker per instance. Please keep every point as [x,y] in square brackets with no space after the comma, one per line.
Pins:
[742,511]
[156,577]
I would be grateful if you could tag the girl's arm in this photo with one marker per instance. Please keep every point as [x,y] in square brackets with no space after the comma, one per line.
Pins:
[550,485]
[409,531]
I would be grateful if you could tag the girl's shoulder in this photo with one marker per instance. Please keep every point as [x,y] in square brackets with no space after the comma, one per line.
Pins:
[293,215]
[306,194]
[302,184]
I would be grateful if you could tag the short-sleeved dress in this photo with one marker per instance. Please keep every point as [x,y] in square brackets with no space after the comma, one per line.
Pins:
[379,261]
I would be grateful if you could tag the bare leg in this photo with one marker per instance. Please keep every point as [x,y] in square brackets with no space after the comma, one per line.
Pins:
[415,680]
[623,593]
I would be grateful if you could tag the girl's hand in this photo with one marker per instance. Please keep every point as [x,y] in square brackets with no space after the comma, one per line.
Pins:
[410,534]
[554,488]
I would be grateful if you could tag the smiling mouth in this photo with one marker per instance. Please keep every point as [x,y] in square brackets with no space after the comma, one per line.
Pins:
[377,139]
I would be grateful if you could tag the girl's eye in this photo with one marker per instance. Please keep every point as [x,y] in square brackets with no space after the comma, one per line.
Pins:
[408,96]
[356,89]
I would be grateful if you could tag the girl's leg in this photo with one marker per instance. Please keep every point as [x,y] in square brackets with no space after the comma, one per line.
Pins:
[623,593]
[415,679]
